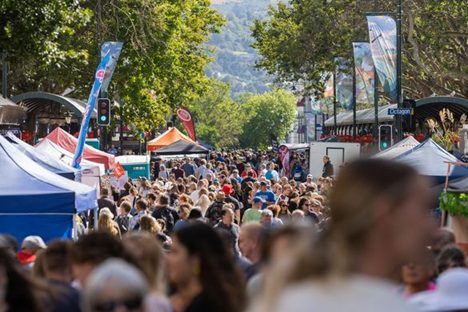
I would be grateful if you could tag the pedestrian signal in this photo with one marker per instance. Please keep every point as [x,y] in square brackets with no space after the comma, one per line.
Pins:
[385,137]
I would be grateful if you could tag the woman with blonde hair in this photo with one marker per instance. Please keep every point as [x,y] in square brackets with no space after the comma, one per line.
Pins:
[151,225]
[380,217]
[106,222]
[149,257]
[203,202]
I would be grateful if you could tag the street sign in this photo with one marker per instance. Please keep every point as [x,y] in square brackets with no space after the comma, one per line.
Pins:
[400,111]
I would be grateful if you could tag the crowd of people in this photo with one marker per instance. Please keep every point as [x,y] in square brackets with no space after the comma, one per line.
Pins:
[231,233]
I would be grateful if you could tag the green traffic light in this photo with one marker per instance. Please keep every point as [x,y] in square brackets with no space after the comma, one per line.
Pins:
[103,118]
[384,145]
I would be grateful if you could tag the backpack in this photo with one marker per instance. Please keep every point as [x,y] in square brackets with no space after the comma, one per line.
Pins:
[122,222]
[167,216]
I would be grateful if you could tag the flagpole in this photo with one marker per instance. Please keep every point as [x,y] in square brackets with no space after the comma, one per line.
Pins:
[354,100]
[334,102]
[376,92]
[398,118]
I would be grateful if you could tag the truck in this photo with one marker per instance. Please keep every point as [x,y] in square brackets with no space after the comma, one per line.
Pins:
[339,154]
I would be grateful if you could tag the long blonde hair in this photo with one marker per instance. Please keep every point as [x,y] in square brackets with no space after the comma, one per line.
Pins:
[106,224]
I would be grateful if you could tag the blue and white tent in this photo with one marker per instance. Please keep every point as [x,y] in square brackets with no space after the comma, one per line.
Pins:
[35,201]
[47,162]
[429,159]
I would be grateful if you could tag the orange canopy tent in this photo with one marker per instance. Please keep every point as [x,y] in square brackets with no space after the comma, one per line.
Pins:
[172,135]
[68,142]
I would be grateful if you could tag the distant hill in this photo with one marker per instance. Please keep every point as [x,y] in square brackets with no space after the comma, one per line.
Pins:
[234,58]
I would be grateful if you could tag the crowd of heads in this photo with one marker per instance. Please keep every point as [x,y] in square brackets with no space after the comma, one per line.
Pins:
[233,232]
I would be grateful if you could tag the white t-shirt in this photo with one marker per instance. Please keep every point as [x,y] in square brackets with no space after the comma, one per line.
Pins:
[354,294]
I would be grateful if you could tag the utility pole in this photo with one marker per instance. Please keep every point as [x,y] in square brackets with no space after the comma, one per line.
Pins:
[398,119]
[334,101]
[4,75]
[376,90]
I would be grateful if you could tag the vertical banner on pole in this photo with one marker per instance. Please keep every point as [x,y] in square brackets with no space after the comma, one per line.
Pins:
[101,75]
[311,109]
[383,44]
[364,69]
[344,84]
[186,119]
[114,48]
[284,158]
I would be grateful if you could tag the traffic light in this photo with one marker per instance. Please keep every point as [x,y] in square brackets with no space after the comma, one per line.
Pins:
[104,112]
[385,137]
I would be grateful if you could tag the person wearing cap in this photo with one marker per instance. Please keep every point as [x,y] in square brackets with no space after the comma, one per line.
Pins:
[228,190]
[269,198]
[30,246]
[253,214]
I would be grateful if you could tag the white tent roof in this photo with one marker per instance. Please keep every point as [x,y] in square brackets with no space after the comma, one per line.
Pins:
[85,196]
[398,149]
[50,148]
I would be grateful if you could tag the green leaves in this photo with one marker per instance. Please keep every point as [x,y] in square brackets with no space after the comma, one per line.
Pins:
[300,39]
[250,121]
[53,45]
[456,204]
[266,116]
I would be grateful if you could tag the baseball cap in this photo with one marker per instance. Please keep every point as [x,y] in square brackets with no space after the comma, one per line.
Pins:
[33,242]
[258,200]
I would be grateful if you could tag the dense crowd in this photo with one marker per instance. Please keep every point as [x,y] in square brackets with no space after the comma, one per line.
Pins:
[234,233]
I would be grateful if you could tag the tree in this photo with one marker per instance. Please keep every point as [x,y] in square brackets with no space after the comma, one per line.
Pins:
[268,116]
[39,37]
[299,40]
[218,119]
[162,65]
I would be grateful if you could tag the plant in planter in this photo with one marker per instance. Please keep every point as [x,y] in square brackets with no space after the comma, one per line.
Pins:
[445,131]
[456,204]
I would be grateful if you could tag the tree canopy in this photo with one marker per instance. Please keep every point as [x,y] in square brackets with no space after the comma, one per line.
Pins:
[54,45]
[300,39]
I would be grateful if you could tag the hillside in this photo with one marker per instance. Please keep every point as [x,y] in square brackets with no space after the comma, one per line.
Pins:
[234,58]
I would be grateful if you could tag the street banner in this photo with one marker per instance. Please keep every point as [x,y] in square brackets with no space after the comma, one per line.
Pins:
[383,44]
[114,48]
[284,158]
[364,70]
[312,108]
[101,70]
[186,119]
[344,84]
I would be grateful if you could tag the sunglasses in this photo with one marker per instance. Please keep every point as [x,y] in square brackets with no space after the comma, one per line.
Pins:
[112,305]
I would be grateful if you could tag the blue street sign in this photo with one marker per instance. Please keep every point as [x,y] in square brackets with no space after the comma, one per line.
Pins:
[400,111]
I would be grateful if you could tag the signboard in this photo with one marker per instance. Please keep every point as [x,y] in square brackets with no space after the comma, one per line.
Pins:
[400,111]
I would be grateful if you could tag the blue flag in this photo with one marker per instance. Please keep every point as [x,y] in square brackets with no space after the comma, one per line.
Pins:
[103,75]
[114,48]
